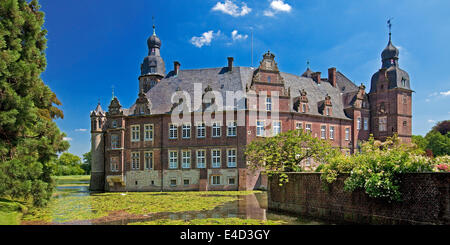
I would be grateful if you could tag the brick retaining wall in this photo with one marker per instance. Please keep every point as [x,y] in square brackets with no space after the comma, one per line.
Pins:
[426,200]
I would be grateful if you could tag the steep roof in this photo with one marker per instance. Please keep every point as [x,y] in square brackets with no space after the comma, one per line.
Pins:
[221,80]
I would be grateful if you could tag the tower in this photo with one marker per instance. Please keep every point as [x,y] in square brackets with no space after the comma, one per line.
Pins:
[391,97]
[98,119]
[153,67]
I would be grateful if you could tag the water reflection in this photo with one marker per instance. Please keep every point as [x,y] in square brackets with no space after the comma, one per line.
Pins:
[253,206]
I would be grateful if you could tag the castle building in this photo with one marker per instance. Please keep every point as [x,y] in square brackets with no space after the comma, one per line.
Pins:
[141,148]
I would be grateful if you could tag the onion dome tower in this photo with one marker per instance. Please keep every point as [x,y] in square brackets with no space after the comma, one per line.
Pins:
[391,97]
[152,68]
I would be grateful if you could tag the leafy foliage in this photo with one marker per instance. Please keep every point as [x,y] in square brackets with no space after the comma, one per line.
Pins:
[29,138]
[68,164]
[286,151]
[437,140]
[375,169]
[87,163]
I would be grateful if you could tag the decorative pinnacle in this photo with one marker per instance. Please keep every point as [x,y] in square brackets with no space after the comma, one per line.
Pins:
[390,27]
[153,22]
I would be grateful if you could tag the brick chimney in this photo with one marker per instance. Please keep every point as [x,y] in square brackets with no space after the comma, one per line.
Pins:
[176,67]
[332,76]
[230,63]
[316,77]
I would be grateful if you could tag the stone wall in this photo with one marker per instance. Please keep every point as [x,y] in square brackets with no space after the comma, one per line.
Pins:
[426,200]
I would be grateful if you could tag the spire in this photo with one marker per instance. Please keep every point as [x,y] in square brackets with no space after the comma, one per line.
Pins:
[112,91]
[390,27]
[153,22]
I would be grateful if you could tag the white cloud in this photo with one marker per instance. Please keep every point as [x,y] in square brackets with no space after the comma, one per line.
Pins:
[80,130]
[204,39]
[235,36]
[431,121]
[445,93]
[269,13]
[67,139]
[279,5]
[229,7]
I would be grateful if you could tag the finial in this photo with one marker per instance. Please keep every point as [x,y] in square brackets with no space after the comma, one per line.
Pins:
[112,92]
[390,27]
[307,64]
[153,22]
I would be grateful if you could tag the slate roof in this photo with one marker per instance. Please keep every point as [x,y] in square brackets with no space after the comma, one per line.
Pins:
[220,80]
[395,75]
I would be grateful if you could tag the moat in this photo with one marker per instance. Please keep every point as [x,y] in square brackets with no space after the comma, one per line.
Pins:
[74,204]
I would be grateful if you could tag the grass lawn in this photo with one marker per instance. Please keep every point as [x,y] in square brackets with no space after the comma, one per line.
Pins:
[10,212]
[72,178]
[211,221]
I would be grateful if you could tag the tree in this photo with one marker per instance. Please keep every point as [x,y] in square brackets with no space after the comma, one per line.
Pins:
[439,144]
[286,151]
[87,162]
[29,138]
[68,164]
[442,127]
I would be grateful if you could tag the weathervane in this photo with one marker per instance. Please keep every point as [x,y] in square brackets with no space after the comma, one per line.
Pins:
[153,22]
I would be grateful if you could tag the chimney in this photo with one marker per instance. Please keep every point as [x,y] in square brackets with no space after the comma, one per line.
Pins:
[316,77]
[332,76]
[230,63]
[176,67]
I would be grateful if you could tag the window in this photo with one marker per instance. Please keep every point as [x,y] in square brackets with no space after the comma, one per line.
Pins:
[216,129]
[173,131]
[231,129]
[358,123]
[201,130]
[382,124]
[260,128]
[201,163]
[173,159]
[135,136]
[276,127]
[115,141]
[323,132]
[328,111]
[114,124]
[269,79]
[173,182]
[114,164]
[186,131]
[152,69]
[135,160]
[308,128]
[186,182]
[186,159]
[148,157]
[231,158]
[347,134]
[148,132]
[304,107]
[231,181]
[215,158]
[366,123]
[215,180]
[268,104]
[331,132]
[299,125]
[405,123]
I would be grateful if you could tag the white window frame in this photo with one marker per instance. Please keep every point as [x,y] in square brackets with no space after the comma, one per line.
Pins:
[114,164]
[173,159]
[297,124]
[135,160]
[173,131]
[186,159]
[186,131]
[323,132]
[229,178]
[268,103]
[216,158]
[308,129]
[276,129]
[232,158]
[231,129]
[332,132]
[260,128]
[216,129]
[135,133]
[347,134]
[366,123]
[201,128]
[382,124]
[203,156]
[148,160]
[213,182]
[148,132]
[358,123]
[115,141]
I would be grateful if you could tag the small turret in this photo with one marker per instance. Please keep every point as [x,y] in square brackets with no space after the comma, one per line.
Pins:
[98,119]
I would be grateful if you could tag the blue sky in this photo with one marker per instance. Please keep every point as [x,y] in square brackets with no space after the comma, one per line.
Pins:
[94,45]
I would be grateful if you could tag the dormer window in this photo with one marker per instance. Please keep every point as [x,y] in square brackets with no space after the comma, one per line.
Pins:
[303,107]
[152,69]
